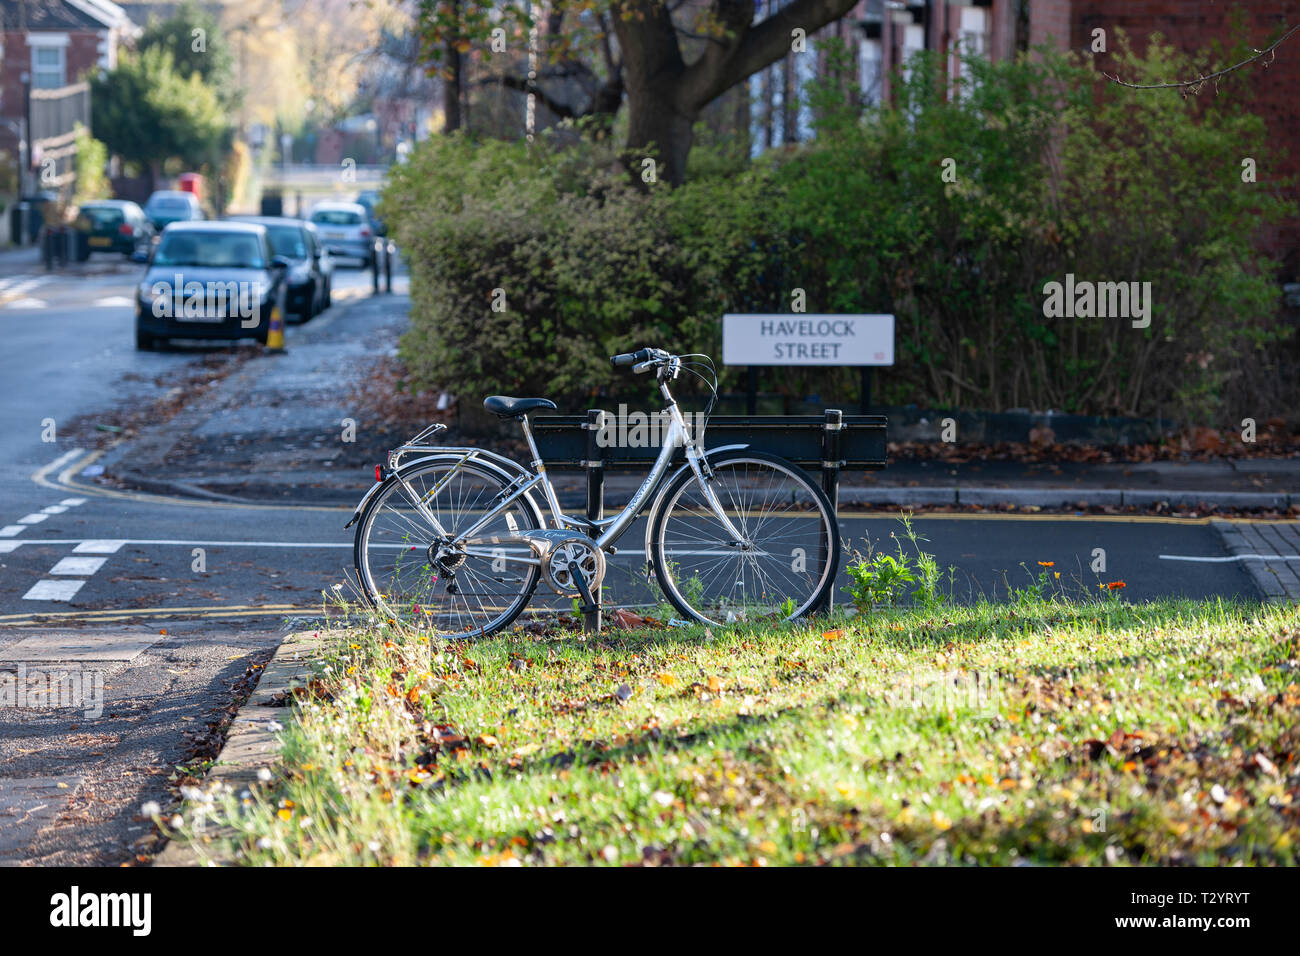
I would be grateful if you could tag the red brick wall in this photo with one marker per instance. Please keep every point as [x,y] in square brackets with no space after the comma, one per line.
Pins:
[1193,25]
[1049,18]
[82,55]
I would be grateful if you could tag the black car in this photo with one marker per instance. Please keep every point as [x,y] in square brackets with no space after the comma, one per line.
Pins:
[311,268]
[113,225]
[210,280]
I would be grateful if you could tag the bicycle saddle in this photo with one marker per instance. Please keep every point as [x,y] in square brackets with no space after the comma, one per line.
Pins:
[507,407]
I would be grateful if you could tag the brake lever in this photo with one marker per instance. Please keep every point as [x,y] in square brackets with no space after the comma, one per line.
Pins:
[644,366]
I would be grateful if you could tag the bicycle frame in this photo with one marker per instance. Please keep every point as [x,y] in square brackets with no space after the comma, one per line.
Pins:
[604,531]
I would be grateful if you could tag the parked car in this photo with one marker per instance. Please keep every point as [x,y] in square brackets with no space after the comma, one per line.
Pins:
[346,231]
[172,205]
[369,198]
[311,267]
[210,280]
[113,225]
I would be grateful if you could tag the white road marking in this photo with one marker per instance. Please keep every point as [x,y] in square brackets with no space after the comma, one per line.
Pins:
[8,547]
[17,285]
[9,530]
[72,502]
[78,565]
[53,590]
[1234,557]
[54,509]
[102,546]
[27,304]
[200,544]
[32,519]
[114,301]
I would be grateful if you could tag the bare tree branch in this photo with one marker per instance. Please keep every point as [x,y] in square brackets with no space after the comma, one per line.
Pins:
[525,85]
[750,48]
[1197,83]
[604,99]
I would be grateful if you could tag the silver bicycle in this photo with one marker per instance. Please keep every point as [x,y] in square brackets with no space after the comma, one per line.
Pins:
[453,539]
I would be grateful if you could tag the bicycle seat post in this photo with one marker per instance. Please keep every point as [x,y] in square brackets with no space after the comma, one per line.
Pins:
[539,466]
[532,445]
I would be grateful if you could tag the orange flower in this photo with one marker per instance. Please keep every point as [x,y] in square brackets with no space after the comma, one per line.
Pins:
[1047,564]
[1116,585]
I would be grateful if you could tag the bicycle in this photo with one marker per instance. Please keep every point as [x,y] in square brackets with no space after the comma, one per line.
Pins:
[453,539]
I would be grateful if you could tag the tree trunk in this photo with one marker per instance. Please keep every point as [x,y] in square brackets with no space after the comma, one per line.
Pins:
[451,81]
[658,121]
[789,103]
[658,128]
[665,95]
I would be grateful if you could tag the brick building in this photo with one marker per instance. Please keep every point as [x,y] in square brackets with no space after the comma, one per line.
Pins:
[1273,91]
[891,30]
[52,45]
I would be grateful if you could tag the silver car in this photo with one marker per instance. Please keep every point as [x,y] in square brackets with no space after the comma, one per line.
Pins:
[345,230]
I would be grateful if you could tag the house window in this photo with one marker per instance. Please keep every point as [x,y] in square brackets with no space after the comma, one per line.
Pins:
[47,67]
[870,75]
[974,31]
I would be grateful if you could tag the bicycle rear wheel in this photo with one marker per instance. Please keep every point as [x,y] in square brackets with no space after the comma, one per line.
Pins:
[408,571]
[784,567]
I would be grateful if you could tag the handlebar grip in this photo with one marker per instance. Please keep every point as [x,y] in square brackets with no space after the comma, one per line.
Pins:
[630,358]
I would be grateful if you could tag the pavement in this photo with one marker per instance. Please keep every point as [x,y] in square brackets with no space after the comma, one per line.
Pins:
[120,660]
[1270,553]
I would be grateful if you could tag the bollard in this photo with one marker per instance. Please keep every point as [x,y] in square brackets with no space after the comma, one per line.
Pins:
[275,332]
[832,462]
[389,251]
[594,466]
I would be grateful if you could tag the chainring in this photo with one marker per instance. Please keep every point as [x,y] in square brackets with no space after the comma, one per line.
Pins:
[570,558]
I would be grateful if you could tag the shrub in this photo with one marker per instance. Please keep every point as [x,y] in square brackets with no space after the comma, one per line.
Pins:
[90,164]
[1056,172]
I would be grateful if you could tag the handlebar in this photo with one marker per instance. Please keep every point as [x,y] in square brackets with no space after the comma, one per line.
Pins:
[635,358]
[643,360]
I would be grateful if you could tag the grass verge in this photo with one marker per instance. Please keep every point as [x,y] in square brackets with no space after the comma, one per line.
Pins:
[1049,732]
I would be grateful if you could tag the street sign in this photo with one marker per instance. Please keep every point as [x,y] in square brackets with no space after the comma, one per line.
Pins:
[802,339]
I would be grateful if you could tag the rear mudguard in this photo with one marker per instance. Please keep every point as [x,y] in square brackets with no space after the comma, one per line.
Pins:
[498,465]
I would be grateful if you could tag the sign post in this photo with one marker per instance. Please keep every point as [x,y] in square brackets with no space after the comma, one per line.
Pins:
[804,339]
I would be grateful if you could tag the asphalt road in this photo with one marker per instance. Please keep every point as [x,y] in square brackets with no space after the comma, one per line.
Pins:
[264,564]
[168,601]
[136,697]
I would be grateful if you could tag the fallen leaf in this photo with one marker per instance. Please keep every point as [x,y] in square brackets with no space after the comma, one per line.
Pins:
[627,620]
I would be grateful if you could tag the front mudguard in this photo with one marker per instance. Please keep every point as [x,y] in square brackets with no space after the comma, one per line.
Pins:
[658,502]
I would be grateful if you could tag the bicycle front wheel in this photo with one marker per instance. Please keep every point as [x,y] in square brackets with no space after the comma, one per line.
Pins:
[785,563]
[409,572]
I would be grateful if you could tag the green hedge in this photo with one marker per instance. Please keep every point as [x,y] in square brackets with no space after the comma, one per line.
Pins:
[1056,172]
